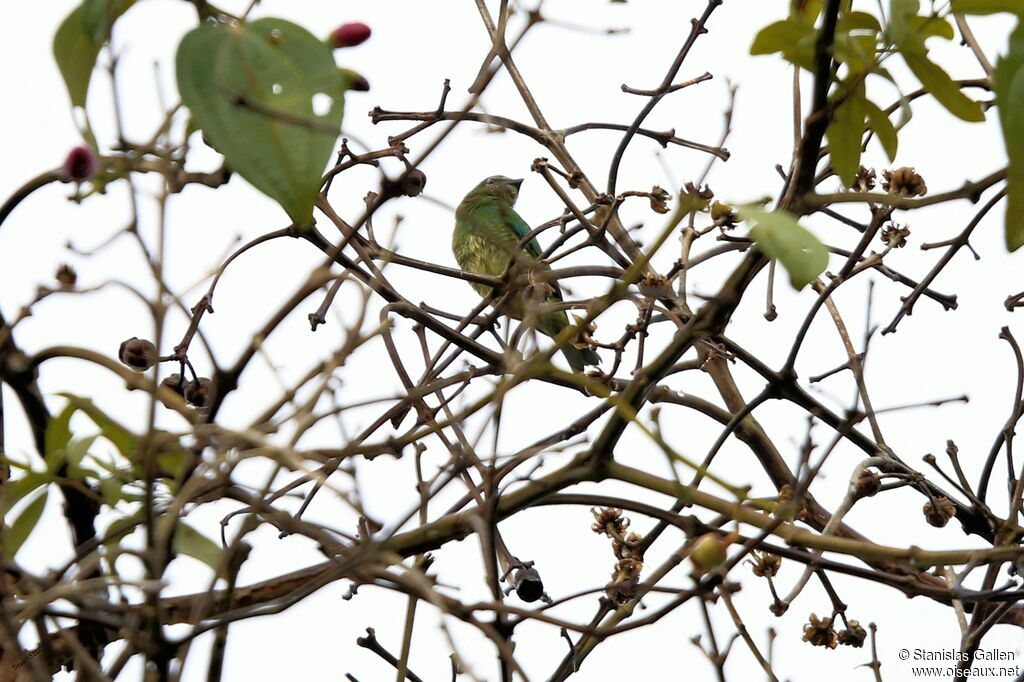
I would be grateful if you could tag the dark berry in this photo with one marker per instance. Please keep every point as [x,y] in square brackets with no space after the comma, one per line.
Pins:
[413,182]
[350,34]
[81,164]
[139,354]
[174,383]
[199,392]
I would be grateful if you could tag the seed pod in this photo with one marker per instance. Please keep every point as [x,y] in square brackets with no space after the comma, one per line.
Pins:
[67,276]
[353,80]
[199,392]
[867,485]
[174,383]
[139,354]
[939,513]
[709,552]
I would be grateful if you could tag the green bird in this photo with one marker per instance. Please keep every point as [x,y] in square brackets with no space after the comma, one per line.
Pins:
[486,238]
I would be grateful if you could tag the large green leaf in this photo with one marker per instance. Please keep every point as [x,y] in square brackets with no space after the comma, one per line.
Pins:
[1009,89]
[781,237]
[986,6]
[792,37]
[269,97]
[845,133]
[78,40]
[908,31]
[938,83]
[22,527]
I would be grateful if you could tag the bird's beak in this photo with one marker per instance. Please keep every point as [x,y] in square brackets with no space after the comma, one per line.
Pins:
[516,183]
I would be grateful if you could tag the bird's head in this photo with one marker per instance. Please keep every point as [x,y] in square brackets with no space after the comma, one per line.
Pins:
[500,187]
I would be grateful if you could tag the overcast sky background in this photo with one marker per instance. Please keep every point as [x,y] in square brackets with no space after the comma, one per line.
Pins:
[575,77]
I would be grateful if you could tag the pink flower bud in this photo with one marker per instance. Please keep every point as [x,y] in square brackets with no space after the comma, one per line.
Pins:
[81,164]
[350,34]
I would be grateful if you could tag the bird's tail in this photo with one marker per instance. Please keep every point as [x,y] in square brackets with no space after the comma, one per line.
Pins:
[580,357]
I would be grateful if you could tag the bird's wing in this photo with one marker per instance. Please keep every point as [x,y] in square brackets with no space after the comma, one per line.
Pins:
[511,218]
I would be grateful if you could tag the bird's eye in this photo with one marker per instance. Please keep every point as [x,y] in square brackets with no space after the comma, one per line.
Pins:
[490,181]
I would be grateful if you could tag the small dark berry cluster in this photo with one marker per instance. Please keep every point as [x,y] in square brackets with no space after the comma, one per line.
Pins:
[141,355]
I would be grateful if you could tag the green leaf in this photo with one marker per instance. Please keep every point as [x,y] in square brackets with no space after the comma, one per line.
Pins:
[777,36]
[938,83]
[782,238]
[76,54]
[883,128]
[900,12]
[1009,88]
[98,17]
[858,21]
[78,40]
[923,28]
[805,10]
[124,440]
[986,6]
[57,437]
[22,527]
[15,490]
[256,91]
[845,133]
[110,490]
[174,462]
[792,37]
[77,449]
[187,540]
[858,51]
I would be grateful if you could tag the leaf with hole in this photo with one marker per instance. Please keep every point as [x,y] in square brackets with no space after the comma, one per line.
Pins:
[269,97]
[781,237]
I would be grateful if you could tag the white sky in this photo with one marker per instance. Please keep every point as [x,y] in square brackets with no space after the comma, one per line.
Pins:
[575,78]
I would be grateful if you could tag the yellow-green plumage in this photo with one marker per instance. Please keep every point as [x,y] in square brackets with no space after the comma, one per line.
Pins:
[486,239]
